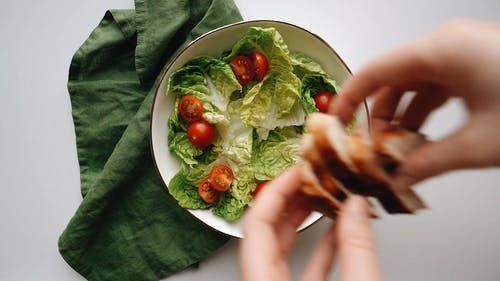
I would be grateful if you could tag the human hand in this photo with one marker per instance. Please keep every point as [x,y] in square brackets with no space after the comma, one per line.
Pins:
[270,230]
[460,59]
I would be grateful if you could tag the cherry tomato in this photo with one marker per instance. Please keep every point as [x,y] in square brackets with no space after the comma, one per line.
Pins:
[261,64]
[243,69]
[323,101]
[201,133]
[206,192]
[190,108]
[259,187]
[221,177]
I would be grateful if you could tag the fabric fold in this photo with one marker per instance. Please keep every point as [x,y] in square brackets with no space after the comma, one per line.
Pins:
[127,227]
[158,40]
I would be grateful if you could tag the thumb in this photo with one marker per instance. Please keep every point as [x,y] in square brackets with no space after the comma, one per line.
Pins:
[357,257]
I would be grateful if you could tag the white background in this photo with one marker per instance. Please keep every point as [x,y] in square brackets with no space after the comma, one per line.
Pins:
[458,239]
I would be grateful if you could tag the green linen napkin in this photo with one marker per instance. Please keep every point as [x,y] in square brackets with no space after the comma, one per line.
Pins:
[127,227]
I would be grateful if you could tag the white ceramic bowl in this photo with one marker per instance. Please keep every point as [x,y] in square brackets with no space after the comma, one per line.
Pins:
[214,43]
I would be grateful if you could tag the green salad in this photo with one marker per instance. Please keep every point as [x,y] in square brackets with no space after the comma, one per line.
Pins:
[238,120]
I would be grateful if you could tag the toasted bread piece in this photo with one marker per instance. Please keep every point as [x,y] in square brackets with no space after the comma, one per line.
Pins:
[319,199]
[343,163]
[395,143]
[330,138]
[319,184]
[319,168]
[376,180]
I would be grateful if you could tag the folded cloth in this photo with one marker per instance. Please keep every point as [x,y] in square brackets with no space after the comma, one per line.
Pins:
[127,227]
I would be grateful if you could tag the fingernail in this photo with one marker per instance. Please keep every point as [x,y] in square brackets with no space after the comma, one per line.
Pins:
[356,208]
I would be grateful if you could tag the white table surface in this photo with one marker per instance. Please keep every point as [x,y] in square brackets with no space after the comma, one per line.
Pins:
[458,239]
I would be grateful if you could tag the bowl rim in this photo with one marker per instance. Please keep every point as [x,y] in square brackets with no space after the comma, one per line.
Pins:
[166,69]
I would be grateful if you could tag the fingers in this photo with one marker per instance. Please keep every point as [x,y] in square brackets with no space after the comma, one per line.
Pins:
[290,220]
[276,212]
[294,215]
[383,109]
[267,239]
[353,236]
[358,260]
[459,150]
[387,110]
[407,64]
[321,262]
[428,98]
[269,206]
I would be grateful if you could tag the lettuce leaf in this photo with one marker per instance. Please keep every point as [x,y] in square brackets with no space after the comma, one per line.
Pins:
[236,139]
[178,142]
[184,187]
[311,85]
[213,82]
[236,151]
[265,40]
[280,151]
[182,147]
[303,65]
[233,203]
[296,117]
[314,79]
[273,103]
[209,79]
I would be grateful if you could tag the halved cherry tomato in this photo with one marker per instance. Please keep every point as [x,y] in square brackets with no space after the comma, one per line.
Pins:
[201,133]
[259,187]
[323,100]
[261,64]
[243,69]
[206,192]
[221,177]
[190,108]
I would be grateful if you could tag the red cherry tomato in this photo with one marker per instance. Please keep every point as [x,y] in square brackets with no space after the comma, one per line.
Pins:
[261,64]
[201,133]
[190,108]
[243,69]
[323,101]
[259,187]
[221,177]
[206,192]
